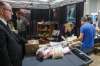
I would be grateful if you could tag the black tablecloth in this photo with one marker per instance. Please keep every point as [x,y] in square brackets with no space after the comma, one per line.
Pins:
[68,60]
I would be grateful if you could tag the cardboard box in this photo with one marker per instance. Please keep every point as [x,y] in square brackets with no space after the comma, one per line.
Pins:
[31,47]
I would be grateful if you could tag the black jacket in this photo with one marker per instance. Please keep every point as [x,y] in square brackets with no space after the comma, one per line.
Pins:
[10,49]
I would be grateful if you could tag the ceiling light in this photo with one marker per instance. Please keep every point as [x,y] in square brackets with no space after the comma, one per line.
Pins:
[56,1]
[44,0]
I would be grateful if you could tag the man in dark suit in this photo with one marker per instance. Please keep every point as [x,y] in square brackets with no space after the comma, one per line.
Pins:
[10,49]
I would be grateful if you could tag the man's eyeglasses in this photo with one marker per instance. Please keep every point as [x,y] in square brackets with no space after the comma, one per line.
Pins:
[10,10]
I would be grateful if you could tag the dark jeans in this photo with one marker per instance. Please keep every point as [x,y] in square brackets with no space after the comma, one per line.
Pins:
[87,50]
[22,36]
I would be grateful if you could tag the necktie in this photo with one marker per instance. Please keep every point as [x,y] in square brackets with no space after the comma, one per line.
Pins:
[10,32]
[8,27]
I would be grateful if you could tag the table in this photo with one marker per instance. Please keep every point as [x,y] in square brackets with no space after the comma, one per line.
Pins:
[68,60]
[97,38]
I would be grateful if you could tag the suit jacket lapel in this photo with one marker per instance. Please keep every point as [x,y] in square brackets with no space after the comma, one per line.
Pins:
[5,26]
[7,29]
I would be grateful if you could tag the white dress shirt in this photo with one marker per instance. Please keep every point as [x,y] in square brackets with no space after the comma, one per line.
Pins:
[3,21]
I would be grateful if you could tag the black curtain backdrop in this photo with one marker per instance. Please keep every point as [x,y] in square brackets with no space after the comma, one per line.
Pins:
[79,14]
[38,15]
[61,15]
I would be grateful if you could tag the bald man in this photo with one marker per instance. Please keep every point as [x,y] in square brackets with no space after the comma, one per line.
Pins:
[10,49]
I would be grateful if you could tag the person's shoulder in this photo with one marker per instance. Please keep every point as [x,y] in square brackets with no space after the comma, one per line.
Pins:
[83,26]
[2,30]
[0,21]
[86,25]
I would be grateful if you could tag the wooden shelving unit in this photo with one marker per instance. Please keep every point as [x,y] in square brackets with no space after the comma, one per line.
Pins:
[44,29]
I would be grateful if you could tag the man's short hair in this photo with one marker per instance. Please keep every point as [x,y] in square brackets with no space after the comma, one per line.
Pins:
[2,4]
[1,7]
[84,19]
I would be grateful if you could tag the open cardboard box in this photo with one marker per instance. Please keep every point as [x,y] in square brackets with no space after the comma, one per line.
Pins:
[31,47]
